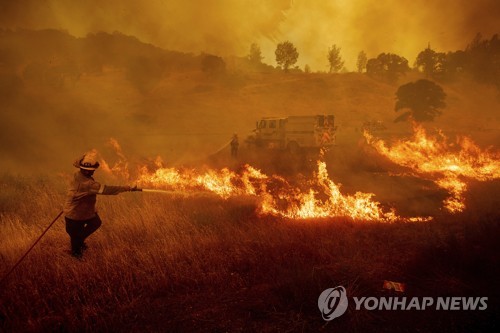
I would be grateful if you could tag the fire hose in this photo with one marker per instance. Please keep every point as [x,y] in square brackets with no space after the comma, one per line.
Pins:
[29,250]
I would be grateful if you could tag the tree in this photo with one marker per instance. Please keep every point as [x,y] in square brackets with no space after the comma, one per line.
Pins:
[454,64]
[483,59]
[388,66]
[286,55]
[423,98]
[361,63]
[431,62]
[374,67]
[426,61]
[336,62]
[213,65]
[255,56]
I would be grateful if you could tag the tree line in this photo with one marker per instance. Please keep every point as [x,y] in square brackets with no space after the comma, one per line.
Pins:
[480,61]
[55,58]
[423,99]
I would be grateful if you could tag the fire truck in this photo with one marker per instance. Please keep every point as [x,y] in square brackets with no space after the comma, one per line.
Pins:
[294,133]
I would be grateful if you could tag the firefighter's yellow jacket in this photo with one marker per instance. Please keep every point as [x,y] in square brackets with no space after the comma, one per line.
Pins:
[81,198]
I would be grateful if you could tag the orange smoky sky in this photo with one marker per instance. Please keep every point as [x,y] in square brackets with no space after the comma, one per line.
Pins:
[228,27]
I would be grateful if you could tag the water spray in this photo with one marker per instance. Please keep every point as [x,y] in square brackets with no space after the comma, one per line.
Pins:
[174,192]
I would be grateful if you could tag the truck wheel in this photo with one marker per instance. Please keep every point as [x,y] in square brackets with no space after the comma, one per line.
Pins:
[293,147]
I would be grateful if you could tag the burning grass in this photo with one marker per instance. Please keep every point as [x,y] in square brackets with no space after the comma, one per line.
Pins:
[449,164]
[319,197]
[167,263]
[295,198]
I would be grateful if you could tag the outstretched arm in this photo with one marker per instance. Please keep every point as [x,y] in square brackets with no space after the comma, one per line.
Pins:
[113,190]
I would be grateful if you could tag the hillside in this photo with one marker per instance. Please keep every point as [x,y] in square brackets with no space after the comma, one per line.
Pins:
[63,95]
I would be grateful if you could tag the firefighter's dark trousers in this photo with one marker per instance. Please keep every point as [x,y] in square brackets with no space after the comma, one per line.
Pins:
[79,231]
[234,151]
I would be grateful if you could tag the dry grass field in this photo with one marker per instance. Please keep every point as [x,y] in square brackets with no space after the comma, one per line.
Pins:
[199,263]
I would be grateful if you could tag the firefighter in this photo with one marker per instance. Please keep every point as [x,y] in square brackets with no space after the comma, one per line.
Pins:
[234,145]
[79,209]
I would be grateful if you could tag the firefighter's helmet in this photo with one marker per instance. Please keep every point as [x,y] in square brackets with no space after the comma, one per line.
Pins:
[88,162]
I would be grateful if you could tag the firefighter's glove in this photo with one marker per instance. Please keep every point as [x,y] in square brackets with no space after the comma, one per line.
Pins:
[134,189]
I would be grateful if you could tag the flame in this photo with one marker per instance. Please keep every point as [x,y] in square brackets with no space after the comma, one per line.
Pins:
[120,167]
[450,164]
[319,197]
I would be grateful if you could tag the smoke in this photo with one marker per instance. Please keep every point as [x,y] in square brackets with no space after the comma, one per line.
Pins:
[401,27]
[228,27]
[222,26]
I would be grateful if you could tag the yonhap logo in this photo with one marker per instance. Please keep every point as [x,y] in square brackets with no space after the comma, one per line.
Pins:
[333,303]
